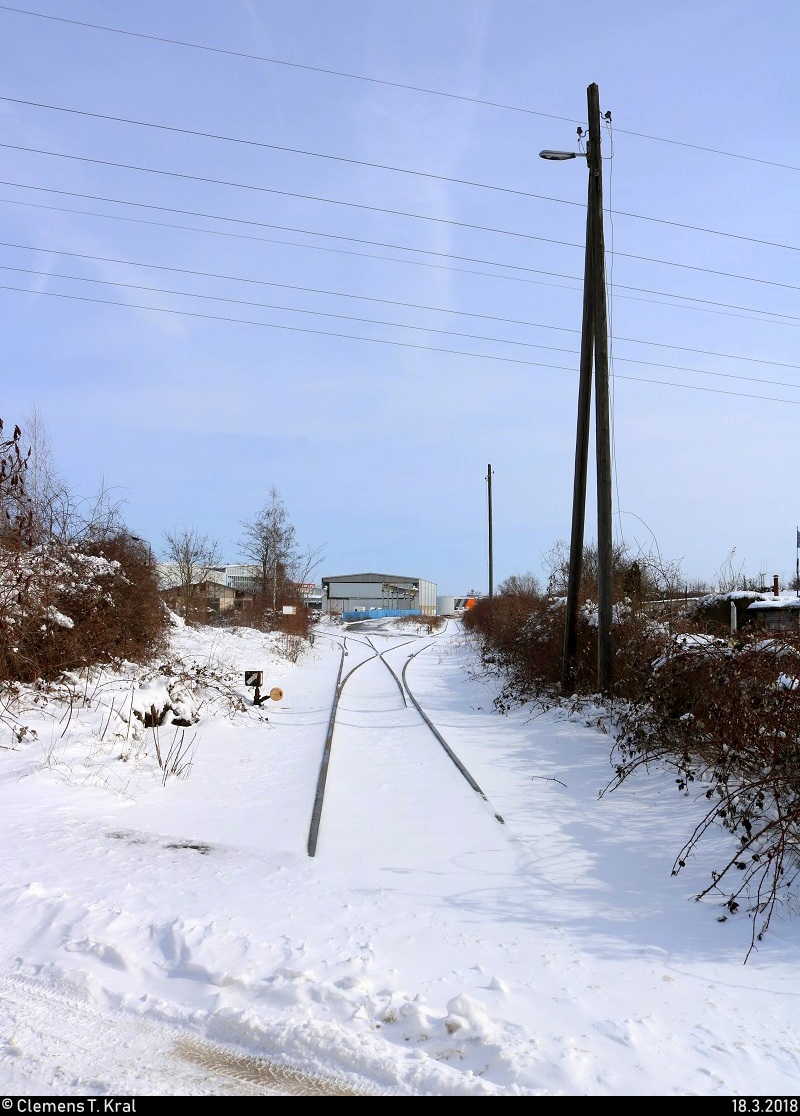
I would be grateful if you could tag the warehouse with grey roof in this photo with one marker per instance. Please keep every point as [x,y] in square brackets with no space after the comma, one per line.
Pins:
[375,595]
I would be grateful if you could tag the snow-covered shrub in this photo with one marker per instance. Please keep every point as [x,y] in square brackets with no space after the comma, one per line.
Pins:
[523,638]
[64,606]
[74,589]
[725,715]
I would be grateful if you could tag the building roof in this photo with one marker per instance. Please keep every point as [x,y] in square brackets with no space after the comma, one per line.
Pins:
[372,578]
[780,603]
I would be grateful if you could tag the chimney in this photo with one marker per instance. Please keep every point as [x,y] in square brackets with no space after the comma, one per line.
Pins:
[775,587]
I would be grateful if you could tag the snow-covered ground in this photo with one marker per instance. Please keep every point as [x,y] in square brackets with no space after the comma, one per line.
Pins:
[164,930]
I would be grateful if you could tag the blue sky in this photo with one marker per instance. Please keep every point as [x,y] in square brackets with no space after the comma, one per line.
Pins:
[379,441]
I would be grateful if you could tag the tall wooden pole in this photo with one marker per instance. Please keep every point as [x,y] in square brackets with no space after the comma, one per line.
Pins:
[605,662]
[581,466]
[491,553]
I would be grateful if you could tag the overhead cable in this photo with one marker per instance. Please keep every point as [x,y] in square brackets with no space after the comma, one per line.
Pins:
[377,341]
[383,322]
[316,290]
[383,81]
[400,170]
[372,243]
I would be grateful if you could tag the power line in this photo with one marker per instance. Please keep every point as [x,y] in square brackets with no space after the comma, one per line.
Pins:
[786,319]
[327,235]
[334,201]
[382,81]
[379,322]
[385,244]
[284,228]
[273,190]
[708,306]
[345,294]
[747,316]
[395,170]
[706,302]
[381,341]
[290,150]
[710,150]
[280,62]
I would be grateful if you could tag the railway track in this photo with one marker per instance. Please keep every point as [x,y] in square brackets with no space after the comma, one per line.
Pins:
[377,659]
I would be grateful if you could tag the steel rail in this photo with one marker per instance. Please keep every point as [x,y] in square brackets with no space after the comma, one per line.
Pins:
[403,687]
[440,738]
[322,778]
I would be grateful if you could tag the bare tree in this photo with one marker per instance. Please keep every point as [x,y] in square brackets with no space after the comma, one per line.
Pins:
[520,585]
[47,489]
[307,562]
[191,556]
[59,515]
[270,543]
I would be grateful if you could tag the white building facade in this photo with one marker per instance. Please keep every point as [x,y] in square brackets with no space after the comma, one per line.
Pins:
[377,595]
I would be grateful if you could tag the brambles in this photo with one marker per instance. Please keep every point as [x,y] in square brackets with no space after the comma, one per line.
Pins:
[66,606]
[75,586]
[523,639]
[177,759]
[721,710]
[725,716]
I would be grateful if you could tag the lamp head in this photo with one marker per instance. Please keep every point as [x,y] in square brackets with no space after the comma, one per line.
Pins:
[558,156]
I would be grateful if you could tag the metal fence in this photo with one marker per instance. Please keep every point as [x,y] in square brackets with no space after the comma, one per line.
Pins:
[379,613]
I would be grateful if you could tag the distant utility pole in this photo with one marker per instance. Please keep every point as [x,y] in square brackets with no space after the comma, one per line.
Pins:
[491,554]
[594,348]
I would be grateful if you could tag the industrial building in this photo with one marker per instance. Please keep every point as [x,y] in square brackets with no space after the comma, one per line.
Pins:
[375,595]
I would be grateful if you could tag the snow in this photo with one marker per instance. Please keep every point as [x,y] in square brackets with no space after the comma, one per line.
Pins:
[785,599]
[165,932]
[733,595]
[56,617]
[782,602]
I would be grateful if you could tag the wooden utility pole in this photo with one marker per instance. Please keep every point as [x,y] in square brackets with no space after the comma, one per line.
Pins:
[605,662]
[581,467]
[491,554]
[594,351]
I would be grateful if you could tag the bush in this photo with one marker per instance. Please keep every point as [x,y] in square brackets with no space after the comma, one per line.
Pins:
[258,613]
[721,710]
[523,637]
[429,624]
[725,715]
[74,589]
[64,606]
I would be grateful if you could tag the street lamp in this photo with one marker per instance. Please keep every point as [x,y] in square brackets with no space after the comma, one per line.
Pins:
[557,156]
[594,348]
